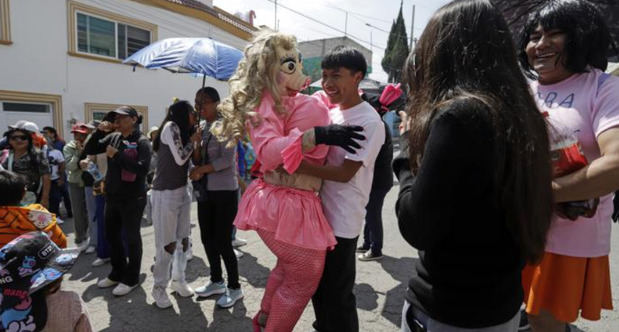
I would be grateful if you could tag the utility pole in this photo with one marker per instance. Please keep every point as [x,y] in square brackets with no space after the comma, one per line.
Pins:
[346,25]
[412,28]
[275,21]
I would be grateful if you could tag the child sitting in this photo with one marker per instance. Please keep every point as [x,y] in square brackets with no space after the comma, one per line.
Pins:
[16,219]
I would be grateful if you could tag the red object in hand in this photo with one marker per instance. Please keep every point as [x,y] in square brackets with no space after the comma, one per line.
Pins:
[567,160]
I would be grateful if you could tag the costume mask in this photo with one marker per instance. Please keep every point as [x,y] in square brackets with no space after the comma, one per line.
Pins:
[290,78]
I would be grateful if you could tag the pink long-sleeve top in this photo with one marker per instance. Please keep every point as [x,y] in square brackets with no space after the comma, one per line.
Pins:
[277,139]
[287,205]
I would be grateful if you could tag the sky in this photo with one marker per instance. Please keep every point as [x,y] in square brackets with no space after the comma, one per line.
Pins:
[379,14]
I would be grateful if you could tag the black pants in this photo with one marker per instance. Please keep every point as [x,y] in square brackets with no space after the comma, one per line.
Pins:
[216,216]
[125,217]
[373,230]
[66,199]
[334,302]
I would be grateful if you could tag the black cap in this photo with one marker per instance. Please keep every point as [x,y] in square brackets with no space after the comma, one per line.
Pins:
[126,110]
[32,261]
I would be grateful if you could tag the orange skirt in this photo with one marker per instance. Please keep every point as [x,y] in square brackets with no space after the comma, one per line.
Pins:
[565,285]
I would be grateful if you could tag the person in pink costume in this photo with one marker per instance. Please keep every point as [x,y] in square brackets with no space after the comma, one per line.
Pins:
[285,128]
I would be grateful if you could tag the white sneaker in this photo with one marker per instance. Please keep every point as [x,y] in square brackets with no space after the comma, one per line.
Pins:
[230,297]
[182,288]
[106,283]
[161,297]
[100,261]
[90,250]
[238,253]
[238,242]
[82,245]
[123,289]
[189,252]
[211,288]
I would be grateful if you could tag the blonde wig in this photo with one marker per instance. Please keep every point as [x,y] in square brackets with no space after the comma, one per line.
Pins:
[256,73]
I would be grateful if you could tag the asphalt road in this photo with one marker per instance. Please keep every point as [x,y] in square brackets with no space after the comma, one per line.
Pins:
[380,287]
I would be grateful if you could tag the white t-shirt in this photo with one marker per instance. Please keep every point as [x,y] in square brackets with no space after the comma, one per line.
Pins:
[344,203]
[55,157]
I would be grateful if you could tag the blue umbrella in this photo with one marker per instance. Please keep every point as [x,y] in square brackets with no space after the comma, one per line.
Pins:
[202,56]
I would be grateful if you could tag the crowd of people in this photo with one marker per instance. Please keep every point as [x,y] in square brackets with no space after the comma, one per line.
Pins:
[508,161]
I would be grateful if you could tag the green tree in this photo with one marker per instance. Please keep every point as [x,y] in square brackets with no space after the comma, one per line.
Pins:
[397,49]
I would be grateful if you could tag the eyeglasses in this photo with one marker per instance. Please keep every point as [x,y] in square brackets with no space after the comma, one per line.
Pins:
[18,137]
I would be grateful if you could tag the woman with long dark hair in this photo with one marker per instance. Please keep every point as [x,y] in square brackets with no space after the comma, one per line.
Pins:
[563,48]
[171,200]
[475,196]
[22,157]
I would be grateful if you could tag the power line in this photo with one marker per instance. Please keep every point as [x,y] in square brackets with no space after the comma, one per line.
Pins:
[325,24]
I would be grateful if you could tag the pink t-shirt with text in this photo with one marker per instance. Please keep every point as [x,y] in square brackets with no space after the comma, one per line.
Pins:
[583,105]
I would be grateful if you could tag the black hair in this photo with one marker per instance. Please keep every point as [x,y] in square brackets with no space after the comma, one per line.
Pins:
[345,57]
[210,92]
[460,60]
[178,113]
[12,188]
[51,130]
[31,148]
[588,40]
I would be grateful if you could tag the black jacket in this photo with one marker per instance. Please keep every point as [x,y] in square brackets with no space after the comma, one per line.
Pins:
[468,273]
[115,187]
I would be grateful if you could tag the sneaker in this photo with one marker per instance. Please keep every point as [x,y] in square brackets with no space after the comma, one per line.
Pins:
[189,252]
[161,297]
[100,261]
[230,297]
[123,289]
[106,283]
[524,321]
[238,253]
[59,221]
[238,242]
[369,256]
[362,249]
[182,288]
[90,250]
[82,245]
[211,288]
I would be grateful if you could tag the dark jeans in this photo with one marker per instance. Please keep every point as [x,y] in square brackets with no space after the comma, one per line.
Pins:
[373,230]
[125,216]
[103,249]
[55,197]
[67,199]
[334,302]
[215,216]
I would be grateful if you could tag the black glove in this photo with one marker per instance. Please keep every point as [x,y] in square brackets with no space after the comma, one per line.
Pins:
[338,135]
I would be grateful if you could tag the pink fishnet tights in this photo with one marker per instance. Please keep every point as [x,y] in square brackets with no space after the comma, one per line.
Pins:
[291,283]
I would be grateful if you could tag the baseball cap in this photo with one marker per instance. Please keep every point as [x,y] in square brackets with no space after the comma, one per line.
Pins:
[80,127]
[28,264]
[126,110]
[25,125]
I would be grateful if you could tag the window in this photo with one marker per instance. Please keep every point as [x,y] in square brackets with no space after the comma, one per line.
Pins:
[103,35]
[42,109]
[5,26]
[108,38]
[96,111]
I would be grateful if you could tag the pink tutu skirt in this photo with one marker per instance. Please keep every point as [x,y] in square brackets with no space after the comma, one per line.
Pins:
[294,215]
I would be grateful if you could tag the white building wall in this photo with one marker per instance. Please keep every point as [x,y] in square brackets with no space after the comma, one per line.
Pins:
[38,62]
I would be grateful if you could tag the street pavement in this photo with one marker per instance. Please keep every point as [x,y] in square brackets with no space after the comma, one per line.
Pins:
[380,287]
